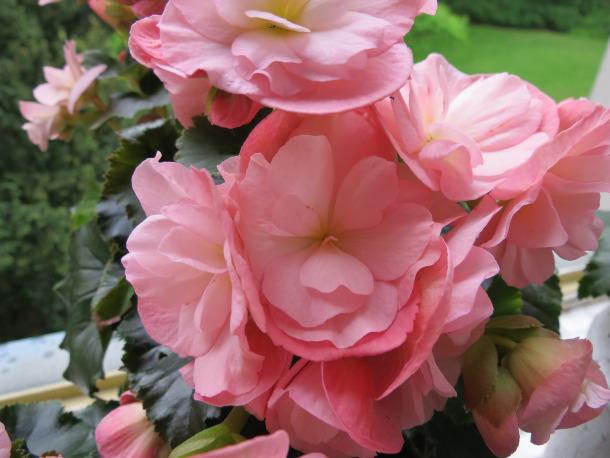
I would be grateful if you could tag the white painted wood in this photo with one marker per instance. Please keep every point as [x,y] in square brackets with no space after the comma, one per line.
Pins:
[601,89]
[591,440]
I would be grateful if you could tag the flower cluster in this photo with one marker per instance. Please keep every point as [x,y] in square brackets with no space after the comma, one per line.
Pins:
[60,98]
[331,283]
[333,290]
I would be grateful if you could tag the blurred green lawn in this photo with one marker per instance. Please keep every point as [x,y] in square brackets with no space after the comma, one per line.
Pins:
[562,65]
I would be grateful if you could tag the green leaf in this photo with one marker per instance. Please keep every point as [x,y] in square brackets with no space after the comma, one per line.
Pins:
[204,145]
[155,378]
[209,439]
[45,428]
[506,299]
[119,212]
[84,212]
[596,279]
[130,106]
[137,143]
[19,450]
[442,438]
[543,302]
[115,303]
[95,284]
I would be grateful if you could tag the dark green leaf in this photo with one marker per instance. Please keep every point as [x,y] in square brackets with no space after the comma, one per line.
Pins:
[543,302]
[205,146]
[442,438]
[119,212]
[138,143]
[506,299]
[45,428]
[130,106]
[596,279]
[115,302]
[118,216]
[94,282]
[155,378]
[85,212]
[19,450]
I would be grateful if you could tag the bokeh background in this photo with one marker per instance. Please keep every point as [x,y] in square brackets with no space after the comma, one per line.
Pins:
[556,44]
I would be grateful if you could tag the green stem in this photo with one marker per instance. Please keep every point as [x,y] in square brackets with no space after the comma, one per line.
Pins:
[503,342]
[236,420]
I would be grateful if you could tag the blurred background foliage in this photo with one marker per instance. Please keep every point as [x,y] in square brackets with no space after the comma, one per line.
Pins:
[591,17]
[556,44]
[38,189]
[488,36]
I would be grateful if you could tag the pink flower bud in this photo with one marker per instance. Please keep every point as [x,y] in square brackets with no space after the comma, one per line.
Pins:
[126,432]
[561,384]
[232,110]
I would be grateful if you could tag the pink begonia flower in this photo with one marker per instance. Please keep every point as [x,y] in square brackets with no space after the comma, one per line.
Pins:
[378,397]
[276,52]
[47,2]
[556,213]
[58,98]
[334,241]
[189,95]
[462,134]
[126,432]
[181,264]
[5,443]
[298,405]
[561,384]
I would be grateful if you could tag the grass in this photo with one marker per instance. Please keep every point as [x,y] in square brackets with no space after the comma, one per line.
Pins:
[562,65]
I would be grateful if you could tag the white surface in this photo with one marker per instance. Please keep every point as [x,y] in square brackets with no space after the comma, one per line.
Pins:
[601,89]
[38,361]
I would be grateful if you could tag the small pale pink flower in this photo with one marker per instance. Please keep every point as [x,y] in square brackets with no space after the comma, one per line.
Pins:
[44,123]
[126,432]
[5,443]
[462,134]
[562,386]
[65,86]
[181,264]
[59,98]
[556,214]
[277,53]
[298,405]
